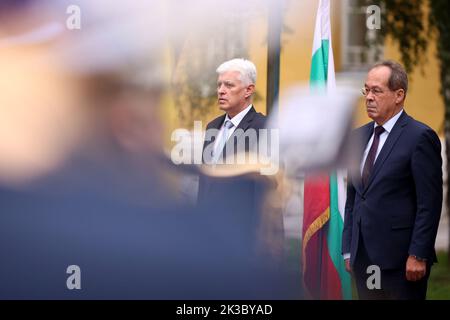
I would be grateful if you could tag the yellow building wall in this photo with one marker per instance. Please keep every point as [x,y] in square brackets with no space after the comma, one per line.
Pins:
[295,59]
[423,100]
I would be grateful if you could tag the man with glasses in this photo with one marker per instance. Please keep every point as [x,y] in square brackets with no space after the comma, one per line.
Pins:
[394,198]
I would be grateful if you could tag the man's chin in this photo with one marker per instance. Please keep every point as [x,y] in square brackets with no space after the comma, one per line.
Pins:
[223,107]
[371,113]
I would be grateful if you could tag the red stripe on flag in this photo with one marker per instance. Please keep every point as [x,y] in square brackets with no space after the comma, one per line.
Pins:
[321,277]
[319,274]
[316,199]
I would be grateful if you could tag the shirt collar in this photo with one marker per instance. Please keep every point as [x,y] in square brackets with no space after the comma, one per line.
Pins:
[391,122]
[238,118]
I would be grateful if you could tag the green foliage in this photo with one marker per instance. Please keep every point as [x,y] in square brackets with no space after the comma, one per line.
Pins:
[439,282]
[403,21]
[440,22]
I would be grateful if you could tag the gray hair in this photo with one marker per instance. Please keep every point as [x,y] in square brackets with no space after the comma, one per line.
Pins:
[398,78]
[246,68]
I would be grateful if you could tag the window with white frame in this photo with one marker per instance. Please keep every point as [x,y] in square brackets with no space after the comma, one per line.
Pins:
[356,55]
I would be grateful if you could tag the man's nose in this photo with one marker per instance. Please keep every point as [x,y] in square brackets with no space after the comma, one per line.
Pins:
[221,89]
[369,96]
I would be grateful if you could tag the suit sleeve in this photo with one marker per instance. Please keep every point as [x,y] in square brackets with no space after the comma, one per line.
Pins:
[348,217]
[426,166]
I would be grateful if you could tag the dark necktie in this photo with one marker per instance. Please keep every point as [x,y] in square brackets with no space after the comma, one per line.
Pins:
[370,160]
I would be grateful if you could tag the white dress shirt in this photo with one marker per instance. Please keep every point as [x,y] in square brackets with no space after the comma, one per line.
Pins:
[387,130]
[235,120]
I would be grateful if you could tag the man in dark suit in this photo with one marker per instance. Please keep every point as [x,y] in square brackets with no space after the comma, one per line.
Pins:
[394,199]
[226,135]
[237,197]
[237,130]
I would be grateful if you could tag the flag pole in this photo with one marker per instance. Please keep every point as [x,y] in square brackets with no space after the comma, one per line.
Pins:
[273,56]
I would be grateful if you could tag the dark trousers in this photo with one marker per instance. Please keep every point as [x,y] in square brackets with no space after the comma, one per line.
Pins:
[394,285]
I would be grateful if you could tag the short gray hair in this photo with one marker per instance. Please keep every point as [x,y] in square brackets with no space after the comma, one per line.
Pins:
[245,67]
[398,78]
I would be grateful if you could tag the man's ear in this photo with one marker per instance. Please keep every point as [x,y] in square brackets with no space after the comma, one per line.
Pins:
[399,96]
[249,90]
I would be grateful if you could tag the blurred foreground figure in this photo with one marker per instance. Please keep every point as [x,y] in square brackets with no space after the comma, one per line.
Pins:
[105,204]
[314,128]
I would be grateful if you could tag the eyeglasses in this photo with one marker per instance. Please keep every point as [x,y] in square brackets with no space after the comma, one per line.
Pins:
[375,91]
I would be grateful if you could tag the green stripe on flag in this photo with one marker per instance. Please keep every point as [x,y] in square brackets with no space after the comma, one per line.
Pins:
[319,65]
[334,239]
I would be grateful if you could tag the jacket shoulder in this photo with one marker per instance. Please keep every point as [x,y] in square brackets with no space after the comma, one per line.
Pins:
[419,132]
[216,123]
[419,126]
[259,120]
[365,127]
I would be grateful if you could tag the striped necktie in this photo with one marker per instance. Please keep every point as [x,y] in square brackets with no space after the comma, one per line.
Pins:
[223,139]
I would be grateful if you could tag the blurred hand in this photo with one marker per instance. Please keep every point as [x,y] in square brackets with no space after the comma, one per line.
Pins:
[347,266]
[415,269]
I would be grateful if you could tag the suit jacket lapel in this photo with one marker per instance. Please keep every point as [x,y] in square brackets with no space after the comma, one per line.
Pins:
[243,125]
[245,122]
[364,139]
[216,124]
[392,138]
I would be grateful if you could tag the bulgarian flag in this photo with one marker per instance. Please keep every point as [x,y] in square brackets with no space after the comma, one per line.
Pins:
[324,273]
